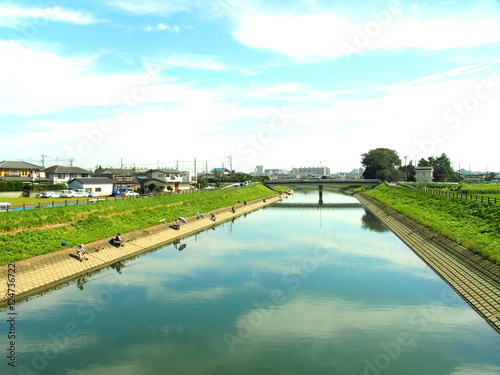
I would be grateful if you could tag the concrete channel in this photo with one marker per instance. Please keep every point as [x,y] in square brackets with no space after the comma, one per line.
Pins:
[474,278]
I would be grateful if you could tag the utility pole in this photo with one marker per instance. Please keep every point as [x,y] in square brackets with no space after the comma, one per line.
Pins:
[195,172]
[43,160]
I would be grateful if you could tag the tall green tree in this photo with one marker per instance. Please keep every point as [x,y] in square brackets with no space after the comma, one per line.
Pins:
[381,163]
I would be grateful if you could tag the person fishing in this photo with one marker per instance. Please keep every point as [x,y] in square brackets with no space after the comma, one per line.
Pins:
[117,241]
[80,252]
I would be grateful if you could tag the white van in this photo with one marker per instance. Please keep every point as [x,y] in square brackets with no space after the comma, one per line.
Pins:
[5,206]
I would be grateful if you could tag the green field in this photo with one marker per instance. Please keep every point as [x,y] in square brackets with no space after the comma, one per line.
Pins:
[472,224]
[24,234]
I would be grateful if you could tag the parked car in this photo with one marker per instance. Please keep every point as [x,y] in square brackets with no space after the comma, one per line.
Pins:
[5,206]
[79,194]
[67,194]
[50,194]
[91,194]
[131,194]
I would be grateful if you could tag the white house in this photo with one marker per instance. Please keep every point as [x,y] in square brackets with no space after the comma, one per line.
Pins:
[177,180]
[98,185]
[60,174]
[424,174]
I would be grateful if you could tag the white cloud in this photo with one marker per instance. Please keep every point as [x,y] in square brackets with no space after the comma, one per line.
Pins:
[162,27]
[15,16]
[157,7]
[333,35]
[193,61]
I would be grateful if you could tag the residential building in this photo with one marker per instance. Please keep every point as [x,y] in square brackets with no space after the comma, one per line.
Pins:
[98,185]
[61,174]
[176,180]
[121,176]
[424,174]
[20,171]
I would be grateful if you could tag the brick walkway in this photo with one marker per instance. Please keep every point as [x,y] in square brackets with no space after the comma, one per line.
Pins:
[474,278]
[43,272]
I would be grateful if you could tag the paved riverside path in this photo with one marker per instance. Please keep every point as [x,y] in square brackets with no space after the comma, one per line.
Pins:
[474,278]
[43,272]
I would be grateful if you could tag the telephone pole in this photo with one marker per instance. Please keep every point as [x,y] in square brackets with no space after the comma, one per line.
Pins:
[195,172]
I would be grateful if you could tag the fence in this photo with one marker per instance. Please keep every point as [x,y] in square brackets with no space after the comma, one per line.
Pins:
[60,202]
[451,194]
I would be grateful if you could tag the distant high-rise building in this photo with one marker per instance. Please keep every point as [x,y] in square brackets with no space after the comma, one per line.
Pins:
[259,170]
[320,171]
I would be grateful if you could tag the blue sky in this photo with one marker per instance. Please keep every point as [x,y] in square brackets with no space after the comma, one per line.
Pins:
[279,84]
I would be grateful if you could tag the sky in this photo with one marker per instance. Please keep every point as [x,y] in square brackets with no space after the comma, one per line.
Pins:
[240,83]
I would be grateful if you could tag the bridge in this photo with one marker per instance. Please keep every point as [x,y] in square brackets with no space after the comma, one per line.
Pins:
[320,182]
[315,205]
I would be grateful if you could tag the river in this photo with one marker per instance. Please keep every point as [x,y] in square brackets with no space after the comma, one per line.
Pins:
[283,290]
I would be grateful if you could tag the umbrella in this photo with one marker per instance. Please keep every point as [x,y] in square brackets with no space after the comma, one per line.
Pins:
[182,247]
[182,219]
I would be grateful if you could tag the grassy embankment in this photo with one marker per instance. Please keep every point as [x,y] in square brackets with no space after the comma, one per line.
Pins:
[24,234]
[472,224]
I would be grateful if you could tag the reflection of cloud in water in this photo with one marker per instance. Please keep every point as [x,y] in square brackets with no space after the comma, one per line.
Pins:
[78,340]
[476,369]
[124,368]
[307,318]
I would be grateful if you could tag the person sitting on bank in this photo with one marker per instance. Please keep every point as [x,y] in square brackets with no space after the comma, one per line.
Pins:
[233,210]
[175,225]
[117,241]
[80,252]
[212,217]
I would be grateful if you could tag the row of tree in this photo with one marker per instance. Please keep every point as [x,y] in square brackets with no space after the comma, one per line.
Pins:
[385,164]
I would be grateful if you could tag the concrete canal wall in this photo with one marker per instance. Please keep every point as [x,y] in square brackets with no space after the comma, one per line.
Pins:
[474,278]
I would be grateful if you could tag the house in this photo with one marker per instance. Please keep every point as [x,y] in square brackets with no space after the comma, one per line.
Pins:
[98,185]
[217,174]
[60,174]
[177,180]
[424,174]
[121,176]
[20,171]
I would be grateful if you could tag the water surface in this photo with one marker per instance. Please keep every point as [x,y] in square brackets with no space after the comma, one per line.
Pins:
[280,291]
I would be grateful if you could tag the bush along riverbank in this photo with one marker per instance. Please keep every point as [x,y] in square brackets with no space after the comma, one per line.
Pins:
[24,234]
[472,224]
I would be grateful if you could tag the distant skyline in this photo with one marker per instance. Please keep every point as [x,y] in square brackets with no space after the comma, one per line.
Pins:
[280,84]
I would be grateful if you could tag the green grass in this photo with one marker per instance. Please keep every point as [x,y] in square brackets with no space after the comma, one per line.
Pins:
[472,224]
[40,231]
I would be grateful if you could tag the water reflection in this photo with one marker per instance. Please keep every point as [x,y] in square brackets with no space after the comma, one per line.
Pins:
[269,293]
[371,222]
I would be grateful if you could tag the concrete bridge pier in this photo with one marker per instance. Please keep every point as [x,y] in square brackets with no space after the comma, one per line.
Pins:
[320,188]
